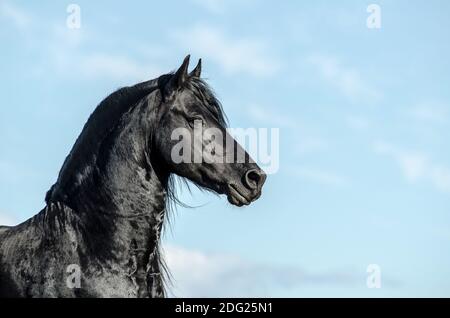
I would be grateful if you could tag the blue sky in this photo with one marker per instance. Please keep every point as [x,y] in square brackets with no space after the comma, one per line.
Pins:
[364,117]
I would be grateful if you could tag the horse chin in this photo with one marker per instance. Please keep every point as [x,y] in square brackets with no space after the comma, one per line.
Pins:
[237,198]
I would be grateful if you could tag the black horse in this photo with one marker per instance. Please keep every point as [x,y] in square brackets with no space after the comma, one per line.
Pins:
[105,212]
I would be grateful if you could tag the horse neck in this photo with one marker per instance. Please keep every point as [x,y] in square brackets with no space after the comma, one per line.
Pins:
[120,200]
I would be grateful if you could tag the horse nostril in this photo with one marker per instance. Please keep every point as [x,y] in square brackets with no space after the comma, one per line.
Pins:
[253,178]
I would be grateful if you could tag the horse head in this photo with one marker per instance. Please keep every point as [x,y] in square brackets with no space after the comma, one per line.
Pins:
[193,141]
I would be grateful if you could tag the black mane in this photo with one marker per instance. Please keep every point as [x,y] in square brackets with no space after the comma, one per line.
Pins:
[101,122]
[205,93]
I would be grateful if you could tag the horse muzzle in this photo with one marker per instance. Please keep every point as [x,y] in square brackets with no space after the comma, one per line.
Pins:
[250,190]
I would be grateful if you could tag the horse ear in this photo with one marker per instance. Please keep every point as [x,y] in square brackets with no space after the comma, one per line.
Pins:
[181,75]
[197,71]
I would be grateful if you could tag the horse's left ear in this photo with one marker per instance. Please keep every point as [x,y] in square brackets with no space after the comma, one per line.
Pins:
[180,76]
[197,71]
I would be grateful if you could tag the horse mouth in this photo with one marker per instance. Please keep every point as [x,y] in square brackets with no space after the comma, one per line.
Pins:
[236,197]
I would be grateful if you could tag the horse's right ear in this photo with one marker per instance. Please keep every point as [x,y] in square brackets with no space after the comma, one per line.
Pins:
[197,71]
[179,77]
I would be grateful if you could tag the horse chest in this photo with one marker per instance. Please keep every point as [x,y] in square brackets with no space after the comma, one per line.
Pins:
[136,270]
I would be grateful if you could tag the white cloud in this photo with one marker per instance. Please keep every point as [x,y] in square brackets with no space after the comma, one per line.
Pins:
[416,166]
[99,65]
[7,219]
[431,112]
[221,6]
[215,6]
[198,274]
[413,164]
[68,38]
[14,14]
[347,80]
[67,56]
[117,67]
[357,122]
[320,176]
[310,144]
[234,55]
[270,117]
[440,176]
